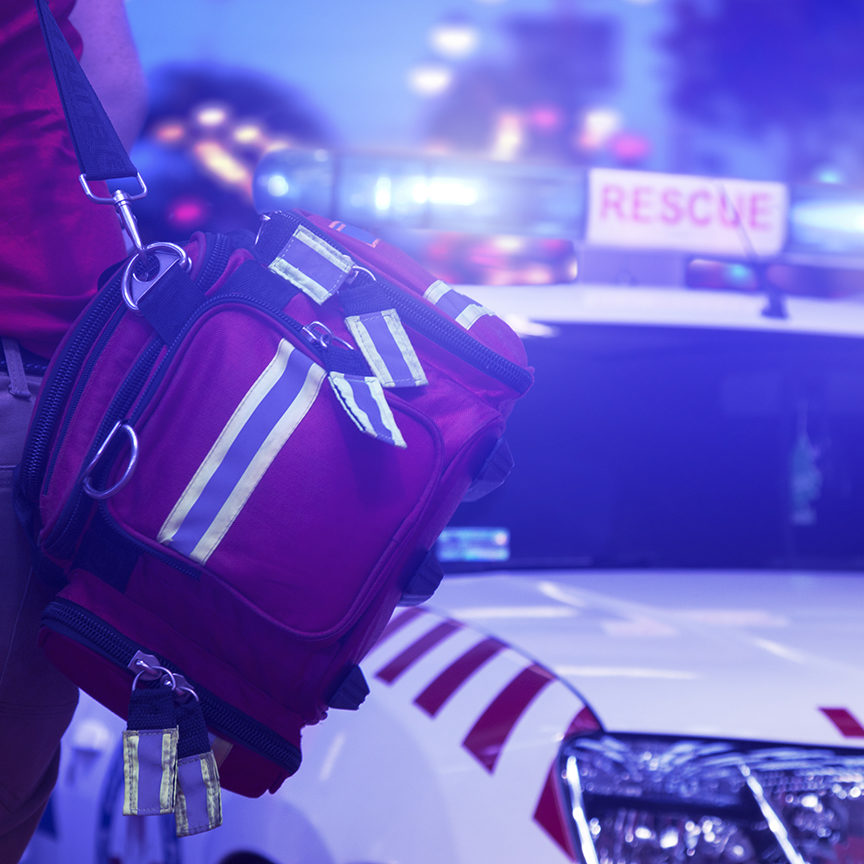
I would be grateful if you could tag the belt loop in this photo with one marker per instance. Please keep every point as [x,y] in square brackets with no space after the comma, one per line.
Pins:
[15,367]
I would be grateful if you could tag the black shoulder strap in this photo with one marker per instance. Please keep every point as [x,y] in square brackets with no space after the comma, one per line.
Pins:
[101,154]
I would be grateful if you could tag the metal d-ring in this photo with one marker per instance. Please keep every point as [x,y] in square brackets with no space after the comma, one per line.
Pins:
[102,494]
[321,335]
[356,269]
[163,673]
[179,689]
[318,334]
[167,255]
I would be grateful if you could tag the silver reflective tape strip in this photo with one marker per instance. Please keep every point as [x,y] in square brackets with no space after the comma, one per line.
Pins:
[314,266]
[364,402]
[387,348]
[198,805]
[460,308]
[471,314]
[394,324]
[149,771]
[253,398]
[274,442]
[324,249]
[130,773]
[436,291]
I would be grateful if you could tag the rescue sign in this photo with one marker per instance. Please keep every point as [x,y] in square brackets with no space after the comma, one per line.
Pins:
[646,210]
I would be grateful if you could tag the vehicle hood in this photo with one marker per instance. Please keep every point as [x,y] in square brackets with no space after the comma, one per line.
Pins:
[775,657]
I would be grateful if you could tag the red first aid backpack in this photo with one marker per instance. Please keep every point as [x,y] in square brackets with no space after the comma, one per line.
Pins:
[240,460]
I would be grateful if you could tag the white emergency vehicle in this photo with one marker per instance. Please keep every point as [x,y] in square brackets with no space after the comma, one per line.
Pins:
[650,648]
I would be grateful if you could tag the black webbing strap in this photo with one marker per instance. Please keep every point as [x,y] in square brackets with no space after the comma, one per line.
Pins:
[101,154]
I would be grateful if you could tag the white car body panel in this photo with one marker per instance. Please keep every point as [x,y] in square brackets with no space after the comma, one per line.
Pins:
[393,784]
[389,783]
[754,656]
[644,305]
[725,654]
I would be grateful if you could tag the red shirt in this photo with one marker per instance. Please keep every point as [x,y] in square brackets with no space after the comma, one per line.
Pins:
[54,242]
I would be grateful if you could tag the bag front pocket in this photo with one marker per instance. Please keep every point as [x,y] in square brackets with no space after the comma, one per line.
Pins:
[251,468]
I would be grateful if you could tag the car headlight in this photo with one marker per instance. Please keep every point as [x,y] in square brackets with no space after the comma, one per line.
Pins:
[638,800]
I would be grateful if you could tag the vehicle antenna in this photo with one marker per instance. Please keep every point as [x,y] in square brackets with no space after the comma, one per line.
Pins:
[776,305]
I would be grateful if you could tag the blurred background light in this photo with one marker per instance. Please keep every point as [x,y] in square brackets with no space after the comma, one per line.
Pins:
[509,136]
[829,174]
[598,126]
[278,185]
[248,133]
[455,36]
[430,78]
[211,116]
[518,100]
[170,132]
[222,164]
[842,216]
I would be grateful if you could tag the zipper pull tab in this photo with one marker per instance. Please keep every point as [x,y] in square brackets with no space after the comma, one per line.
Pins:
[150,742]
[198,806]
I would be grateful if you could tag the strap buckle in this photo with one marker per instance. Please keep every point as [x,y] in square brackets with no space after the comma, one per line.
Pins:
[164,256]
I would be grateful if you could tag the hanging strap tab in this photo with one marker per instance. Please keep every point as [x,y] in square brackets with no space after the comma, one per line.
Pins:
[198,806]
[364,402]
[150,752]
[385,344]
[318,269]
[101,155]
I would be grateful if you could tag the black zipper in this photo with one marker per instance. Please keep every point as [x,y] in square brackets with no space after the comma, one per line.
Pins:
[421,317]
[75,395]
[219,249]
[373,296]
[73,517]
[76,511]
[189,570]
[56,390]
[74,622]
[66,370]
[331,357]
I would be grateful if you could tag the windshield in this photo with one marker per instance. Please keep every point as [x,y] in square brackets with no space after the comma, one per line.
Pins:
[678,447]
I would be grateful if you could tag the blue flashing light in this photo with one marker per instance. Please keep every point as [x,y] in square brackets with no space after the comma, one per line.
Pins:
[473,544]
[739,275]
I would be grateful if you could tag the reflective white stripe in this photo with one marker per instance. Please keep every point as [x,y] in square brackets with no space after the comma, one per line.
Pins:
[471,314]
[342,386]
[436,291]
[307,280]
[387,417]
[274,442]
[394,324]
[324,249]
[247,406]
[462,309]
[376,360]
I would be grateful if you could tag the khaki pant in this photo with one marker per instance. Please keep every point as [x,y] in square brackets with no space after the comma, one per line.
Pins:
[36,701]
